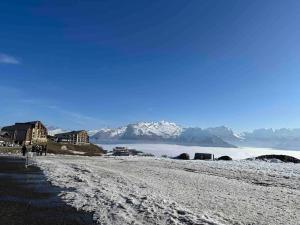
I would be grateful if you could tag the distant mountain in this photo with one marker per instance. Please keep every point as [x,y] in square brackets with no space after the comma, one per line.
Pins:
[201,137]
[273,138]
[163,132]
[225,133]
[92,132]
[109,133]
[152,131]
[52,130]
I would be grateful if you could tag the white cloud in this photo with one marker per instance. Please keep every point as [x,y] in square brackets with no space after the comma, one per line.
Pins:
[8,59]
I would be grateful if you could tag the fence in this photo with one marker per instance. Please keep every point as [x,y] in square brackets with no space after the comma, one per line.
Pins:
[30,159]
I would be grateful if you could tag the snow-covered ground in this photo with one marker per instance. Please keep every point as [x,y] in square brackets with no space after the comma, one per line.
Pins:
[140,190]
[175,150]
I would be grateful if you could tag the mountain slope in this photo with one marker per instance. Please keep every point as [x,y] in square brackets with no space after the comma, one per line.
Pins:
[224,133]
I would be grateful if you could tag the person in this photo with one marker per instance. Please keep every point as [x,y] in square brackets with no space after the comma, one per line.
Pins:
[45,149]
[24,150]
[38,151]
[41,150]
[36,148]
[33,149]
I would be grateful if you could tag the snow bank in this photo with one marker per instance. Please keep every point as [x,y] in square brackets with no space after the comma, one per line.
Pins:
[138,190]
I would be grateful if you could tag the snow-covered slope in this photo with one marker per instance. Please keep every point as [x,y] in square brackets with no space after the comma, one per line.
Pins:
[92,132]
[109,133]
[141,190]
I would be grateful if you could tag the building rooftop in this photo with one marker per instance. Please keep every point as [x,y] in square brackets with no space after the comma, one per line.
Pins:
[69,133]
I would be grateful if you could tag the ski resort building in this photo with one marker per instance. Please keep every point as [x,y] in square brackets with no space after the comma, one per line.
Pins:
[73,137]
[26,133]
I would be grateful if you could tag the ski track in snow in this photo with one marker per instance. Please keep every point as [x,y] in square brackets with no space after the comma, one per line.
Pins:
[140,190]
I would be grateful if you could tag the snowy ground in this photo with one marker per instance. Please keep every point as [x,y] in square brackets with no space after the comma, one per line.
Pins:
[138,190]
[175,150]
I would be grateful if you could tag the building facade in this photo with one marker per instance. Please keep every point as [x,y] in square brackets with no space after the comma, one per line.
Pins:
[27,133]
[73,137]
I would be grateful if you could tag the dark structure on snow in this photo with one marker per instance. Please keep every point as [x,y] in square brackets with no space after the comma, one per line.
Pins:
[121,151]
[225,158]
[204,156]
[183,156]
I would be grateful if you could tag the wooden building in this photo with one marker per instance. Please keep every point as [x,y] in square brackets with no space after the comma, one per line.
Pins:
[26,133]
[73,137]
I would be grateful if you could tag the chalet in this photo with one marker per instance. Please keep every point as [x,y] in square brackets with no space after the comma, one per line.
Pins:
[73,137]
[26,133]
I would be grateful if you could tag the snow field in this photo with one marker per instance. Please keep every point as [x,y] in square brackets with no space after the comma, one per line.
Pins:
[138,190]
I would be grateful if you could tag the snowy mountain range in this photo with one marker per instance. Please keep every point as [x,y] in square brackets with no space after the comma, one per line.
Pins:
[168,132]
[162,132]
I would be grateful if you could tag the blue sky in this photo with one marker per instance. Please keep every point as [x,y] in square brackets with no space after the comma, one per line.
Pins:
[89,64]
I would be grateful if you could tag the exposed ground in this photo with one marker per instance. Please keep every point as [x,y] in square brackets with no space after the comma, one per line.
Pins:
[68,149]
[27,198]
[135,190]
[11,150]
[59,148]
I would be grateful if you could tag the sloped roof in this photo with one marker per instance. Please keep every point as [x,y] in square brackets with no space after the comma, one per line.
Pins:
[69,133]
[22,126]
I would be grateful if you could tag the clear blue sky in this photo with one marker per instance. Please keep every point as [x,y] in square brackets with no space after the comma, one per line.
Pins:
[89,64]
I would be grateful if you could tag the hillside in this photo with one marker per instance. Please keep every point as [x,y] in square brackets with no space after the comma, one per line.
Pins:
[68,149]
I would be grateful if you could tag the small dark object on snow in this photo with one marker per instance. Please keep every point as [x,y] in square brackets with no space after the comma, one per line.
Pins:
[283,158]
[204,156]
[183,156]
[225,157]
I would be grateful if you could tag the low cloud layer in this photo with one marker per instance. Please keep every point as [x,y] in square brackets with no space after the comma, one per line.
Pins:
[8,59]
